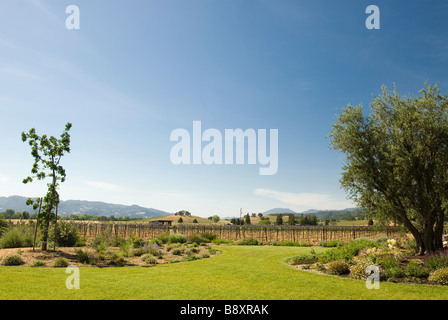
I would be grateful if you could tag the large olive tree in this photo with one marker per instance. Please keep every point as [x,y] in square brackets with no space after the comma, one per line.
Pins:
[396,162]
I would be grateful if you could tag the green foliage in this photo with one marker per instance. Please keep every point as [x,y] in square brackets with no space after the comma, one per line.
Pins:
[248,242]
[12,260]
[209,237]
[38,263]
[117,242]
[439,276]
[164,237]
[304,258]
[414,269]
[348,251]
[397,160]
[116,259]
[388,262]
[190,258]
[220,241]
[156,241]
[394,272]
[136,241]
[47,153]
[358,270]
[279,219]
[177,251]
[149,259]
[436,260]
[60,263]
[177,238]
[331,244]
[102,241]
[338,267]
[196,238]
[66,234]
[17,237]
[3,225]
[85,257]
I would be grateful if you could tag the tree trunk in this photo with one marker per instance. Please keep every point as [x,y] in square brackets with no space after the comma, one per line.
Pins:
[438,231]
[45,235]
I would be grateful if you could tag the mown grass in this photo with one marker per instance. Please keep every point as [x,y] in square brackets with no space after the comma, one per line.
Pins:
[240,272]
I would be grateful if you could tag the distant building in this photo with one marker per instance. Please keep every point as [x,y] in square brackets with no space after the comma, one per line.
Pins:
[161,222]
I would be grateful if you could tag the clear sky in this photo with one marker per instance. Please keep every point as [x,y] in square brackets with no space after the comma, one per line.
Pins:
[137,70]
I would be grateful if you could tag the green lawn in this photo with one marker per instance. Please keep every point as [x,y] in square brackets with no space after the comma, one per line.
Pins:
[240,272]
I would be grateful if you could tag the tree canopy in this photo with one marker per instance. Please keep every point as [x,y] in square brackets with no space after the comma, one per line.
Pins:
[396,163]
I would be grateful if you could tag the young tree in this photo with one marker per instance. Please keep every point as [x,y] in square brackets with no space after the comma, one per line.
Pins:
[47,153]
[397,160]
[279,220]
[247,219]
[291,219]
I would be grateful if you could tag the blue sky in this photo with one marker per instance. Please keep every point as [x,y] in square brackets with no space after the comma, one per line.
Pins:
[137,70]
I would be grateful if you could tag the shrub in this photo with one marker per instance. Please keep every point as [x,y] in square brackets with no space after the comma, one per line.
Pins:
[127,249]
[60,263]
[414,269]
[220,241]
[12,260]
[439,276]
[358,270]
[118,242]
[436,260]
[194,250]
[149,259]
[102,242]
[177,238]
[156,241]
[177,251]
[388,262]
[3,225]
[381,239]
[338,267]
[348,251]
[248,242]
[204,256]
[85,257]
[305,258]
[66,234]
[211,250]
[17,237]
[116,259]
[136,241]
[331,244]
[209,237]
[164,237]
[190,258]
[38,263]
[394,272]
[196,239]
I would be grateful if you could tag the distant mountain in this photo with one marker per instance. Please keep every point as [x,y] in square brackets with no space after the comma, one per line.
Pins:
[80,207]
[310,211]
[344,214]
[279,210]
